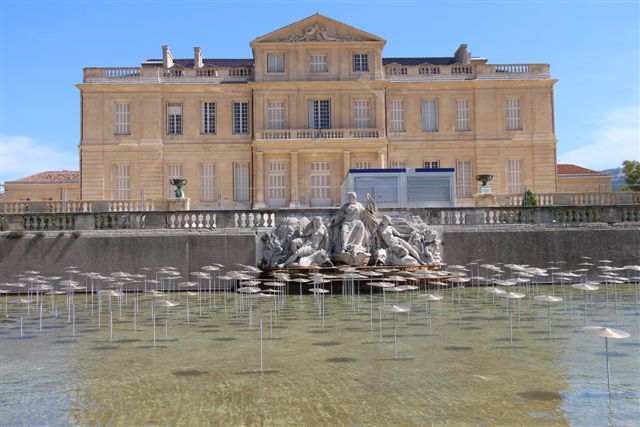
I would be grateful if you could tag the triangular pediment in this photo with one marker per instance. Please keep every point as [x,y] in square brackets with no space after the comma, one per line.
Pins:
[318,29]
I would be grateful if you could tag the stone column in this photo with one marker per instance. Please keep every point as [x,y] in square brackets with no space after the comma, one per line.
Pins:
[346,156]
[381,160]
[294,198]
[258,202]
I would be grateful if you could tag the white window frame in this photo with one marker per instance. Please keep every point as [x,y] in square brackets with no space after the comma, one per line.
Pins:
[319,114]
[362,114]
[174,118]
[240,117]
[241,174]
[318,63]
[320,183]
[174,170]
[360,62]
[362,164]
[275,62]
[398,164]
[277,179]
[464,182]
[512,114]
[430,114]
[208,190]
[275,114]
[397,116]
[462,115]
[122,118]
[515,176]
[208,118]
[431,164]
[121,183]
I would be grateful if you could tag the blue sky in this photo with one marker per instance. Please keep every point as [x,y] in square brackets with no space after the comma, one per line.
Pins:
[593,49]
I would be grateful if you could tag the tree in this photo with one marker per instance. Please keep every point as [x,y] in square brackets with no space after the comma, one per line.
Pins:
[631,172]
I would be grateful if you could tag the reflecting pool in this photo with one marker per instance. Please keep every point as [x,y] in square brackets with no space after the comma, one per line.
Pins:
[327,360]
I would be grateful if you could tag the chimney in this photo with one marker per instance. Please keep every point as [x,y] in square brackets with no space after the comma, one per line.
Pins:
[462,56]
[197,57]
[167,58]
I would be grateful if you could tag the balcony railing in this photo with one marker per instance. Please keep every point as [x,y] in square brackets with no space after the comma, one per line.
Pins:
[469,72]
[158,74]
[312,134]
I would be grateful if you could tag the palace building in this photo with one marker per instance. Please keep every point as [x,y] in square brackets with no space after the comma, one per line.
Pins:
[318,98]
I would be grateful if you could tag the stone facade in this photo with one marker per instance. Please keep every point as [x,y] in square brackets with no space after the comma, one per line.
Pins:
[316,99]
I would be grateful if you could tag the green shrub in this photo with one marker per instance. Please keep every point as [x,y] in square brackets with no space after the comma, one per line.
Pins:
[76,234]
[15,235]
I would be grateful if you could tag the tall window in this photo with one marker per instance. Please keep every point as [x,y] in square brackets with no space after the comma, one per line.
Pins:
[275,63]
[320,184]
[396,116]
[396,164]
[430,115]
[318,64]
[275,115]
[208,125]
[241,117]
[208,182]
[121,186]
[174,170]
[241,182]
[512,113]
[320,114]
[360,62]
[362,164]
[277,179]
[362,114]
[174,118]
[463,123]
[123,119]
[463,178]
[432,164]
[515,181]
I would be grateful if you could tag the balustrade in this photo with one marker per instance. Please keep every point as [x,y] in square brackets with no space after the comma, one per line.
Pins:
[312,134]
[191,220]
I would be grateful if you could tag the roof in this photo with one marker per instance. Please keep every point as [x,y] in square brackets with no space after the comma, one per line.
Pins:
[446,60]
[249,62]
[213,62]
[50,177]
[569,169]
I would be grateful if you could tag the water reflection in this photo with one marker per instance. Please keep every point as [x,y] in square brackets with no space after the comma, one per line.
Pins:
[208,371]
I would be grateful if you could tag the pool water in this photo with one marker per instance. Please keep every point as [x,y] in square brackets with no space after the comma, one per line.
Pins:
[331,366]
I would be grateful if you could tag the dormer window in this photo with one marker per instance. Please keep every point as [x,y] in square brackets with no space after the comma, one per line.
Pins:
[275,63]
[360,62]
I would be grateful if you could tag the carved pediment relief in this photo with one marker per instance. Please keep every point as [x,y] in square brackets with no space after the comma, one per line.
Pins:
[318,28]
[318,33]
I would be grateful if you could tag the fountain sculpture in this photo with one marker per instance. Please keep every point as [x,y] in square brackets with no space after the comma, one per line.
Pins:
[354,236]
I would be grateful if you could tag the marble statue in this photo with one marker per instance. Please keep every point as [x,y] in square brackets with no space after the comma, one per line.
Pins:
[354,236]
[352,227]
[311,246]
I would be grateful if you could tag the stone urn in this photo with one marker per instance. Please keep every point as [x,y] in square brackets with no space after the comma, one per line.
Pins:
[178,183]
[484,178]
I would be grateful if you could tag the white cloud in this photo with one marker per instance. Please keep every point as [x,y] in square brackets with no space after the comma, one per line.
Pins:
[617,139]
[21,156]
